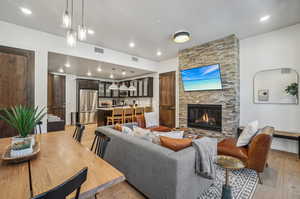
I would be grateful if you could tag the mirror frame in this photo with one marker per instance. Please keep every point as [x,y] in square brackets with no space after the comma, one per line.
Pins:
[297,74]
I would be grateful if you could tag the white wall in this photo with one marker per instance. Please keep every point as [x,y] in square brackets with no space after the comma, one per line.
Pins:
[20,37]
[168,66]
[280,48]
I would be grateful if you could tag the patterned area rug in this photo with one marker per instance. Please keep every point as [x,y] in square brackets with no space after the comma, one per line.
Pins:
[243,183]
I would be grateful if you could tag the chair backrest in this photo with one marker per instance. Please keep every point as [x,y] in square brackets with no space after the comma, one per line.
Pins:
[101,141]
[78,132]
[128,111]
[259,148]
[139,110]
[148,109]
[38,128]
[65,189]
[117,112]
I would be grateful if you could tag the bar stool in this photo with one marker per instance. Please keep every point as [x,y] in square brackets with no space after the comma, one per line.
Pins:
[139,111]
[128,115]
[117,116]
[148,109]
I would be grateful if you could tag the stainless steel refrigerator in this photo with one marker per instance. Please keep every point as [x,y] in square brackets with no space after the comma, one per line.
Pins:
[88,100]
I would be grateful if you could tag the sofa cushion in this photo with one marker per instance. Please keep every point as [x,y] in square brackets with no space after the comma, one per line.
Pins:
[175,144]
[228,147]
[161,129]
[247,134]
[151,120]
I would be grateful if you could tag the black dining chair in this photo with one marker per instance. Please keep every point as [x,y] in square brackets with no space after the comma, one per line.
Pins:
[38,128]
[65,189]
[78,132]
[101,142]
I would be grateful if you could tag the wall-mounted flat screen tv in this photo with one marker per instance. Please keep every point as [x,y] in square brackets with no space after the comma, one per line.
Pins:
[202,78]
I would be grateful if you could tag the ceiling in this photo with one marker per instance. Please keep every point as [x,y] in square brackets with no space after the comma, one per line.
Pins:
[150,24]
[81,66]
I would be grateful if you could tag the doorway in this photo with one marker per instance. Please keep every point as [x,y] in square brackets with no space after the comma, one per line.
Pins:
[167,99]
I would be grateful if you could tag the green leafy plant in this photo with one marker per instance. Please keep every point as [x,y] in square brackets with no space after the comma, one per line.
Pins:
[23,118]
[292,89]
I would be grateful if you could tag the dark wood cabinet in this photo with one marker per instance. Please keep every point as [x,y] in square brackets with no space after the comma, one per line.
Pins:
[88,84]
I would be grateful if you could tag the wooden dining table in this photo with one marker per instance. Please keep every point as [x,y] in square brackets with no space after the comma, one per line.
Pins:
[60,158]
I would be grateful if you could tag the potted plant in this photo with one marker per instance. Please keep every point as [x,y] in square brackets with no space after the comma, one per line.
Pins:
[24,119]
[292,90]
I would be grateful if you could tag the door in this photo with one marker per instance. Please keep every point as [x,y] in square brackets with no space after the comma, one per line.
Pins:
[57,95]
[167,102]
[16,82]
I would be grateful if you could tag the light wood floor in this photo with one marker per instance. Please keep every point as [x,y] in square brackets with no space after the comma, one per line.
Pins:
[281,179]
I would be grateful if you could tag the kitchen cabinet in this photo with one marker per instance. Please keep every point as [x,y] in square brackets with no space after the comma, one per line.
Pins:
[101,91]
[144,88]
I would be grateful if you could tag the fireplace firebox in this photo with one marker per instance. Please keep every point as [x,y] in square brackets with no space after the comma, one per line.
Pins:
[205,116]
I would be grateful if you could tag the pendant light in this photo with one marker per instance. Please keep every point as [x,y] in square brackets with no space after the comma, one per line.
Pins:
[81,28]
[132,88]
[123,87]
[66,19]
[113,86]
[71,34]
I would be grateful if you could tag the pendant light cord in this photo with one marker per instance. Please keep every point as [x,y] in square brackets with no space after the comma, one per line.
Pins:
[72,2]
[82,13]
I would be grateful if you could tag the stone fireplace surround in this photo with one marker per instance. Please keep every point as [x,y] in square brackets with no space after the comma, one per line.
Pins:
[225,52]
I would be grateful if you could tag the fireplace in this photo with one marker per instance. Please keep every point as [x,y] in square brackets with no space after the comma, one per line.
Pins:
[205,116]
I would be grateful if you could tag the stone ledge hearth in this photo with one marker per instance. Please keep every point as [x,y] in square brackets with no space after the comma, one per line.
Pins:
[225,52]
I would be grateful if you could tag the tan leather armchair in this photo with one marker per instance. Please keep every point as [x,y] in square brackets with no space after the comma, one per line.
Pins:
[254,155]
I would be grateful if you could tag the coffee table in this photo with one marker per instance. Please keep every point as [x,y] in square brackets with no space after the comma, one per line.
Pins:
[228,163]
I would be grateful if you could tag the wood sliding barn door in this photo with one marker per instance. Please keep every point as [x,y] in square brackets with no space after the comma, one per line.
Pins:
[16,82]
[167,95]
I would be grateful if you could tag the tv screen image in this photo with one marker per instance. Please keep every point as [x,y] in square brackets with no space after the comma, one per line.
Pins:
[202,78]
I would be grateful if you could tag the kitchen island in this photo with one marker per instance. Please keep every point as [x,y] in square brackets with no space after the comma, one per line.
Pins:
[103,113]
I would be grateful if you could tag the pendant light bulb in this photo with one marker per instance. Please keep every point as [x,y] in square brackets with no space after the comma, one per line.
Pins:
[66,20]
[82,33]
[71,38]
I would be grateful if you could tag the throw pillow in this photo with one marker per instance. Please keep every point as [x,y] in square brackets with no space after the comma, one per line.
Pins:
[173,134]
[247,134]
[118,127]
[175,144]
[128,131]
[142,133]
[151,120]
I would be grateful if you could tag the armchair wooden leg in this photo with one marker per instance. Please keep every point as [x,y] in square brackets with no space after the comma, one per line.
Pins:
[260,181]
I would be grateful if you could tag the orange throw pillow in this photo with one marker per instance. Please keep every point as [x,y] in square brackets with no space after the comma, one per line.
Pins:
[175,144]
[118,127]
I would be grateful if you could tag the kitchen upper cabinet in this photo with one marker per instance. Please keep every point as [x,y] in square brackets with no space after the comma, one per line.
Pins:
[140,87]
[88,84]
[101,91]
[144,88]
[108,92]
[148,87]
[135,84]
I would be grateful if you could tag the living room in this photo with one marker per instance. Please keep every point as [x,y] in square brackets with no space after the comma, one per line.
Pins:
[227,78]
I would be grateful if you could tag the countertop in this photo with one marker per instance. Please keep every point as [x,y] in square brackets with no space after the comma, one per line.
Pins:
[111,108]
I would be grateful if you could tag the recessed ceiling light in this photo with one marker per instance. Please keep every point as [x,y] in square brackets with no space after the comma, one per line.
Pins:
[89,74]
[90,31]
[131,45]
[26,11]
[111,76]
[264,18]
[123,72]
[61,70]
[99,69]
[181,37]
[158,53]
[68,65]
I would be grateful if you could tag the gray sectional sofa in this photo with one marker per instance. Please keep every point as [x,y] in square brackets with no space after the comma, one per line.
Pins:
[157,172]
